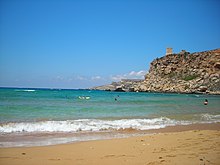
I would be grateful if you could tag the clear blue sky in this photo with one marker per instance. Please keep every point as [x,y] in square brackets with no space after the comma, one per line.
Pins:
[84,43]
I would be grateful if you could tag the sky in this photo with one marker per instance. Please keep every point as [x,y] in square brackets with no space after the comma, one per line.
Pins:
[87,43]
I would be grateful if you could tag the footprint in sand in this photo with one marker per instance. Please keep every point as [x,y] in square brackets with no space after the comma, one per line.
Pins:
[109,156]
[161,159]
[156,162]
[117,156]
[171,156]
[153,163]
[189,139]
[159,150]
[54,159]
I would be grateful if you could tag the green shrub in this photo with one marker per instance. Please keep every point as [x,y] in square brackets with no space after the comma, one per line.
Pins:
[190,77]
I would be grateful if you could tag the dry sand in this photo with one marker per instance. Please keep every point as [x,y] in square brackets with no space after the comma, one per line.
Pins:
[189,147]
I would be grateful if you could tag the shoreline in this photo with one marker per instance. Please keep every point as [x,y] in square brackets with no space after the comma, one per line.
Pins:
[190,144]
[59,138]
[181,128]
[162,92]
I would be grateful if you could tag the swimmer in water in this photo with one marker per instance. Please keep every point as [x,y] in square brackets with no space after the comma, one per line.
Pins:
[206,102]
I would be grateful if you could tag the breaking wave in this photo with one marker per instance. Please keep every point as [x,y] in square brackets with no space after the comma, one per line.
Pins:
[86,125]
[96,125]
[25,90]
[209,117]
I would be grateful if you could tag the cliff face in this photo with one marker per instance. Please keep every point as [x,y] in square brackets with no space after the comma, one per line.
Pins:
[185,73]
[179,73]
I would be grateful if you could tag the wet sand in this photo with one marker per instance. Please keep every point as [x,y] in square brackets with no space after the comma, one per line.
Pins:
[194,144]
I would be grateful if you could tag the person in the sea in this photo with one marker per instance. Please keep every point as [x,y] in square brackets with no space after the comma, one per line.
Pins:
[206,102]
[116,98]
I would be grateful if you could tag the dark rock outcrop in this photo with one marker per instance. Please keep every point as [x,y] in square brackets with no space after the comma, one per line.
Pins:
[125,85]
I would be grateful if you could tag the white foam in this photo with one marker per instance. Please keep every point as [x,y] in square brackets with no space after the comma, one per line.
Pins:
[87,125]
[210,117]
[25,90]
[96,125]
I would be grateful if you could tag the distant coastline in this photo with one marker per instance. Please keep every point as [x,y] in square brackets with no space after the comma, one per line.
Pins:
[42,88]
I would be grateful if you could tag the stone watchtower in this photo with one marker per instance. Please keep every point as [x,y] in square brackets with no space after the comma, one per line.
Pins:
[169,51]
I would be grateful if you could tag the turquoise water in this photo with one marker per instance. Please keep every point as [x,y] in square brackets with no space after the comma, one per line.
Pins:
[17,105]
[25,111]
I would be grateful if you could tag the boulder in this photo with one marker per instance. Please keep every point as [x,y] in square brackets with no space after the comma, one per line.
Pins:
[217,65]
[143,88]
[203,88]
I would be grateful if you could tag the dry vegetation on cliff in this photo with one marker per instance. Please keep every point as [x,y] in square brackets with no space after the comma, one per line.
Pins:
[180,73]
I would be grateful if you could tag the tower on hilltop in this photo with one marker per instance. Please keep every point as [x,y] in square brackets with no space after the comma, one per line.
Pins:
[169,51]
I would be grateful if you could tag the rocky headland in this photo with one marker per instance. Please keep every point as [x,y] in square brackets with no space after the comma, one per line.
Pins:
[177,73]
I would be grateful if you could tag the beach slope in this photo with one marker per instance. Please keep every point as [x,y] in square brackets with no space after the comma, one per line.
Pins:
[179,148]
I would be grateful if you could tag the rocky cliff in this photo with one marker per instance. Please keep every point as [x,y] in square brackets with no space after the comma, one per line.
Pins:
[179,73]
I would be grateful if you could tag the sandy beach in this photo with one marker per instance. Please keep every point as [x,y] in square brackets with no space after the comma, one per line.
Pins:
[195,144]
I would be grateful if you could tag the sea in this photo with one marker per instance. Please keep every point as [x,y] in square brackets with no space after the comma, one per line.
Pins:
[39,117]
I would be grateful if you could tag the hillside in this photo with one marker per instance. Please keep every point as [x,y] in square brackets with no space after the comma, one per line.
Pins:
[179,73]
